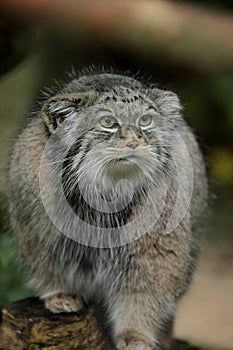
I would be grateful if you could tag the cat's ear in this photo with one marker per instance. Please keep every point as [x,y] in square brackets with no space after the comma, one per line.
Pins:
[63,106]
[167,101]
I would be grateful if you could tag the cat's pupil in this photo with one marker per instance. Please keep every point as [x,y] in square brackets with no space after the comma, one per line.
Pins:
[108,120]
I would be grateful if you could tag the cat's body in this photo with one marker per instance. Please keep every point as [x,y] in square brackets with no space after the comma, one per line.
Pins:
[111,128]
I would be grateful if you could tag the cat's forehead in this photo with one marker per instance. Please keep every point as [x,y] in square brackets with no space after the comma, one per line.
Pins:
[123,95]
[125,103]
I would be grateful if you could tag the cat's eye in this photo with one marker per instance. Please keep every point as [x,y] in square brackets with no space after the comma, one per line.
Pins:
[108,122]
[145,120]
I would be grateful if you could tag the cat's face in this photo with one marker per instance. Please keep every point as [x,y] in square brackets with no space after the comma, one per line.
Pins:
[121,134]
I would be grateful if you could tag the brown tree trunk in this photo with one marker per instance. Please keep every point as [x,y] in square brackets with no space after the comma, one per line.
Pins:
[27,325]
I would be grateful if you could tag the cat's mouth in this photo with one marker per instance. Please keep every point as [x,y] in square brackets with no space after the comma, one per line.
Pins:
[128,157]
[132,159]
[123,160]
[123,167]
[124,164]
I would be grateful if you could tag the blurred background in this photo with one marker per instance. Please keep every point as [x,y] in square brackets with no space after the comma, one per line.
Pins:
[183,46]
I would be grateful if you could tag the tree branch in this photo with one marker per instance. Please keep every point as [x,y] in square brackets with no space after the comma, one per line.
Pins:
[27,325]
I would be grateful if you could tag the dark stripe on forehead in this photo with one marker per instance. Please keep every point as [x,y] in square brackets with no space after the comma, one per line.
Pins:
[122,95]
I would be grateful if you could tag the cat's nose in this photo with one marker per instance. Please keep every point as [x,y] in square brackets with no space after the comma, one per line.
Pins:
[132,144]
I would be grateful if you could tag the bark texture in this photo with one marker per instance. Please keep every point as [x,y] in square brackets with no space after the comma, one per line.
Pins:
[27,325]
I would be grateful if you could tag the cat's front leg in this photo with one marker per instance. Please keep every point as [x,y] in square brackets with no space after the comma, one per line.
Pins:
[136,322]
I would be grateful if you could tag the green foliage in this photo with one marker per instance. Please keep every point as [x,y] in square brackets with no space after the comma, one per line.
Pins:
[12,286]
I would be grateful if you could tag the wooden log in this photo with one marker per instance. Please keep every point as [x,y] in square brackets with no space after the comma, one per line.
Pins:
[27,325]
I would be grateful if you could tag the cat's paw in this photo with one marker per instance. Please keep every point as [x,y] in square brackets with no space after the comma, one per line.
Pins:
[63,302]
[133,341]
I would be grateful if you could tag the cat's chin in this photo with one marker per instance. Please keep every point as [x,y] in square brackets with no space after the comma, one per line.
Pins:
[123,168]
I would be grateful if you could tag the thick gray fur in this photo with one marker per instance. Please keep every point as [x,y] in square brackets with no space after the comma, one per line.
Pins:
[137,284]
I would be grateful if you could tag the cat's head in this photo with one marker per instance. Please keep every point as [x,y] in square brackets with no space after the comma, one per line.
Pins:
[113,128]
